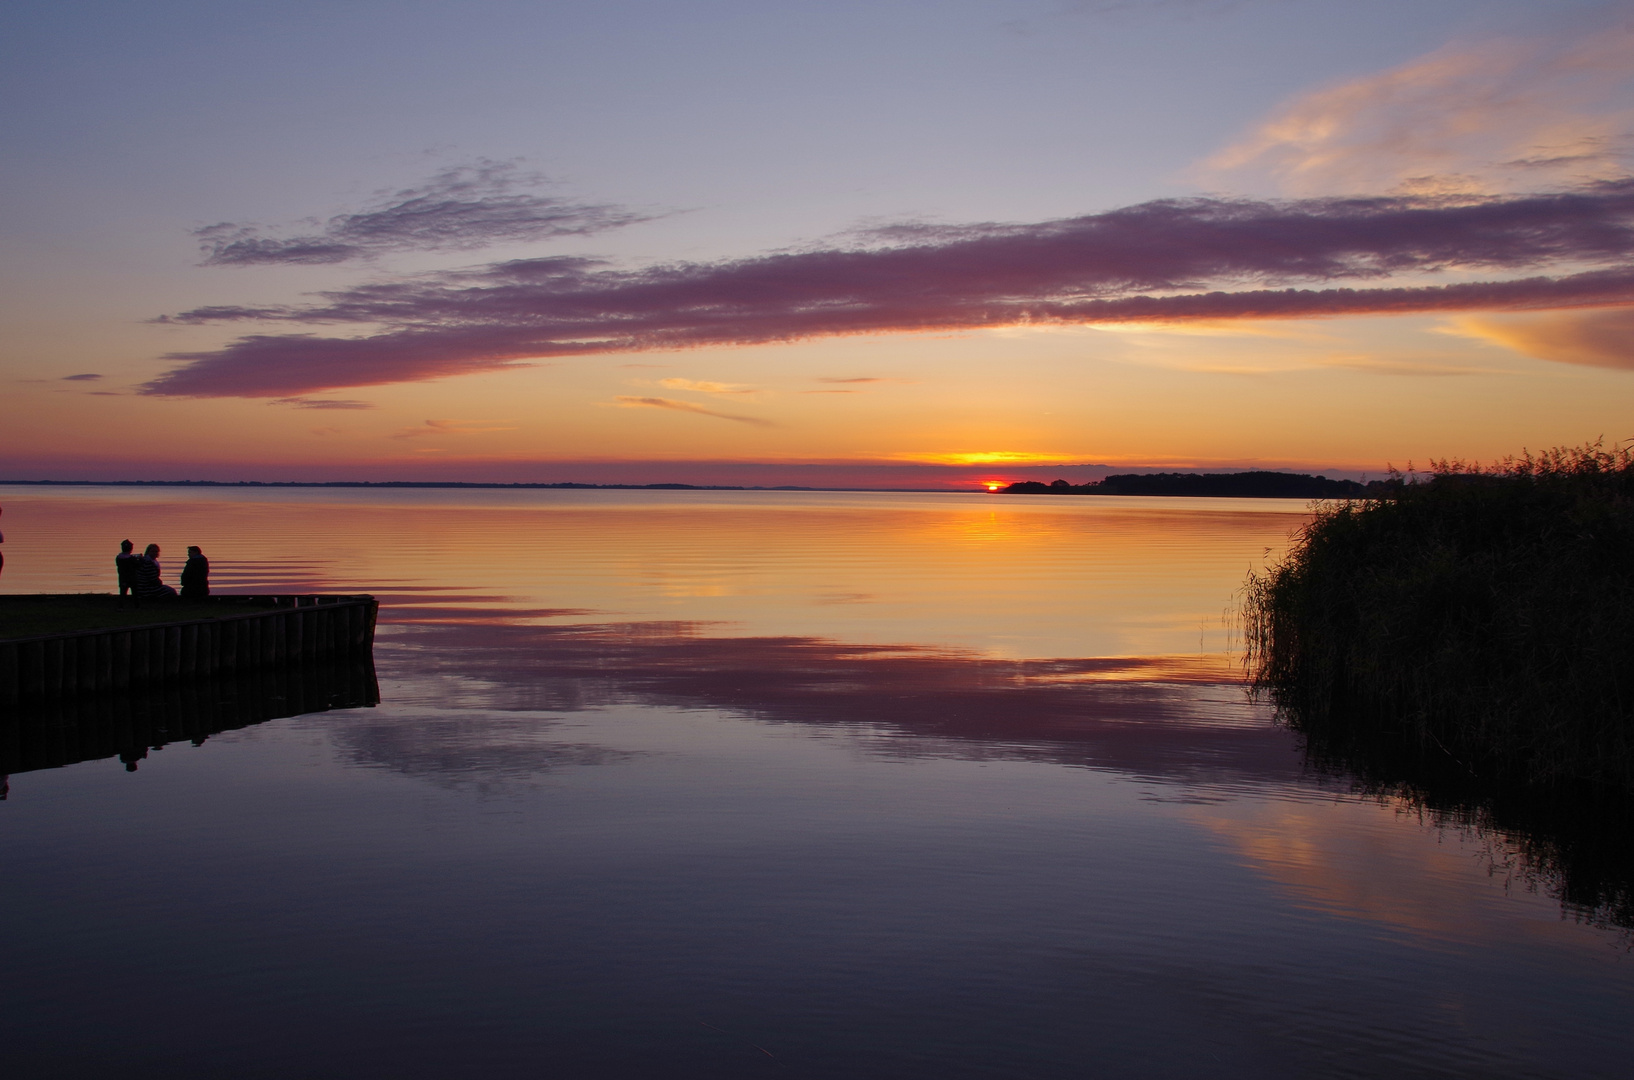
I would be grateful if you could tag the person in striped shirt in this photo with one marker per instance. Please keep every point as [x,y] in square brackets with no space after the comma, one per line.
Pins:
[145,581]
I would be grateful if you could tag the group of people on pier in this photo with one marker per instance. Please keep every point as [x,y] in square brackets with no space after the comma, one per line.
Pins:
[139,575]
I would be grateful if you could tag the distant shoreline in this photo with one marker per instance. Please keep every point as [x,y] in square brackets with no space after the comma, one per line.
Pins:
[1022,487]
[404,484]
[1298,489]
[1257,484]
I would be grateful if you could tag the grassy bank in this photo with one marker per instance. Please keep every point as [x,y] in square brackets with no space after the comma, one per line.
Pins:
[1483,617]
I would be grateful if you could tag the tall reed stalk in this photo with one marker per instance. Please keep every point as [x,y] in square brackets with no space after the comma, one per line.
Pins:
[1481,615]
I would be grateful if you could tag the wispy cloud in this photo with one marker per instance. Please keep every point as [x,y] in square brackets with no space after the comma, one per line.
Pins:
[1408,367]
[1169,260]
[705,387]
[453,427]
[87,377]
[624,401]
[1496,116]
[850,384]
[466,207]
[322,403]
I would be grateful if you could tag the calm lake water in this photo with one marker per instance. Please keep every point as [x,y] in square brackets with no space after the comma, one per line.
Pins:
[760,784]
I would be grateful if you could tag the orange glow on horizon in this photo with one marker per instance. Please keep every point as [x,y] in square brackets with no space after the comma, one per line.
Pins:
[988,457]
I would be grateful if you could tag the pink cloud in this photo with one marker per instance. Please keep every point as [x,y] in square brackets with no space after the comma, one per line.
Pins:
[1499,115]
[1164,260]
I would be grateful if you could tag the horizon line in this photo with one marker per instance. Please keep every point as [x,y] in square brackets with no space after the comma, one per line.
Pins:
[976,486]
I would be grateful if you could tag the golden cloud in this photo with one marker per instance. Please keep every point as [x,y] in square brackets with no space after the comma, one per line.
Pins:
[1603,339]
[707,387]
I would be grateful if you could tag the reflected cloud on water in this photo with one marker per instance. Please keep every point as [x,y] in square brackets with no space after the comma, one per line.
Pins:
[484,698]
[1184,724]
[1172,718]
[835,803]
[452,749]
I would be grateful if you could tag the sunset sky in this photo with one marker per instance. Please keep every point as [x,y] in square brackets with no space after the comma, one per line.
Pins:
[890,243]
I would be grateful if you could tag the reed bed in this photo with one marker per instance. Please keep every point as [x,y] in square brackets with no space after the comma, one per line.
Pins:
[1480,616]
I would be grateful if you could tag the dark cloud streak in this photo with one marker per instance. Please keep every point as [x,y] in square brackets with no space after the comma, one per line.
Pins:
[1168,260]
[465,207]
[322,403]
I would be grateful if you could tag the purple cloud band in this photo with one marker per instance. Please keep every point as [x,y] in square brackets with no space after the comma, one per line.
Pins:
[1166,260]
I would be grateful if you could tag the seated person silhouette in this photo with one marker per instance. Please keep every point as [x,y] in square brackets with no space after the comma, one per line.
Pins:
[145,585]
[195,575]
[125,563]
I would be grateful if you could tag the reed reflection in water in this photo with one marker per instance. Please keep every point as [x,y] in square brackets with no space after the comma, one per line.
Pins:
[621,834]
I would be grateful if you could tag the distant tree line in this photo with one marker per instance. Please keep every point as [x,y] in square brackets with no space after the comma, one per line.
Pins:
[1240,485]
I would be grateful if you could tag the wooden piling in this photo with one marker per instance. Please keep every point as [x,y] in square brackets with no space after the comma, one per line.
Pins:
[11,681]
[252,633]
[121,659]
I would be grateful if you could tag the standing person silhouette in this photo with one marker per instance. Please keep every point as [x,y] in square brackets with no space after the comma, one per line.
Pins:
[2,553]
[195,575]
[125,563]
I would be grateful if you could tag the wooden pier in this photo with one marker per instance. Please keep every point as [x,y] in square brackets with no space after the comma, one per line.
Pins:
[243,633]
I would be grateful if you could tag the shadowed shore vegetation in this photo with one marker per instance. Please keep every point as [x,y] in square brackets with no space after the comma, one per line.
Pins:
[1481,619]
[1463,646]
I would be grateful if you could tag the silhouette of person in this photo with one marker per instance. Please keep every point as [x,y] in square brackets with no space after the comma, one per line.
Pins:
[125,563]
[146,584]
[195,575]
[2,553]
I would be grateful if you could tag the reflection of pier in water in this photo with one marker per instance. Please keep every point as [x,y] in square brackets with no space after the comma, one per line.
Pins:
[49,734]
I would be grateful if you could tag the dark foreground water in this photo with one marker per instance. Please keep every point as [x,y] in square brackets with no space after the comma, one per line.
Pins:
[758,785]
